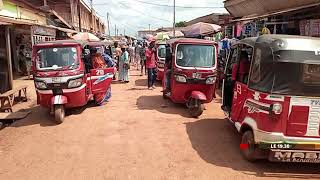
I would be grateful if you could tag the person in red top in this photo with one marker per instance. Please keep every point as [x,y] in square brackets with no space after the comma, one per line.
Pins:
[151,64]
[97,59]
[243,70]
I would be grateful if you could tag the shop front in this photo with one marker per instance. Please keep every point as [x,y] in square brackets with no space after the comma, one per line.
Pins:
[42,34]
[297,19]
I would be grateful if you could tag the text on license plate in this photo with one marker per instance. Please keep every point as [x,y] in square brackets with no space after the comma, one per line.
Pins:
[294,156]
[56,80]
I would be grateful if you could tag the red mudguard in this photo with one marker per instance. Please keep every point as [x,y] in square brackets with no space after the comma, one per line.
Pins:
[198,95]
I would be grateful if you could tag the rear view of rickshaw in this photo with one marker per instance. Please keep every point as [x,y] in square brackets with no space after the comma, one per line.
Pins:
[271,95]
[65,76]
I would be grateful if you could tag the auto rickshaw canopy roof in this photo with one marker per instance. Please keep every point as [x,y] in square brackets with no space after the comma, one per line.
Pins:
[248,41]
[190,41]
[290,42]
[286,65]
[70,42]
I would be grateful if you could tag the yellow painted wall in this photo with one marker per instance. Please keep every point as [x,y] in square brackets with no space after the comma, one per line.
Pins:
[13,11]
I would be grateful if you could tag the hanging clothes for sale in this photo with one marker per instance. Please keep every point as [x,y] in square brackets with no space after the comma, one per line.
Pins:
[265,30]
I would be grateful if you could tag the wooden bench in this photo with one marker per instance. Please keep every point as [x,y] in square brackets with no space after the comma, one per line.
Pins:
[7,98]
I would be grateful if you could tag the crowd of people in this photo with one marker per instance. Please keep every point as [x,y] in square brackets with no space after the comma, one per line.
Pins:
[141,55]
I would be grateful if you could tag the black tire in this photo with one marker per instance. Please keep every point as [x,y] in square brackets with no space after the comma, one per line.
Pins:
[164,96]
[249,153]
[59,113]
[196,111]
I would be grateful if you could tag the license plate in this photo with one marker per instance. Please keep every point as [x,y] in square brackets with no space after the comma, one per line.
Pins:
[56,80]
[275,146]
[294,156]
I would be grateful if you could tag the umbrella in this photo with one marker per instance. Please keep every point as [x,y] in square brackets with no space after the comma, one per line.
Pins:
[162,36]
[149,38]
[200,29]
[177,34]
[85,36]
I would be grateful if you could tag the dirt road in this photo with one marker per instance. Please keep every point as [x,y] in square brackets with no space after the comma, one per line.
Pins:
[132,137]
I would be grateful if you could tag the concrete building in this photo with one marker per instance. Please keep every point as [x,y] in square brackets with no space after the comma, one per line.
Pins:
[28,22]
[75,14]
[143,33]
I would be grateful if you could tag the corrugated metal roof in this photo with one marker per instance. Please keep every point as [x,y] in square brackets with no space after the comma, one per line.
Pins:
[241,8]
[246,18]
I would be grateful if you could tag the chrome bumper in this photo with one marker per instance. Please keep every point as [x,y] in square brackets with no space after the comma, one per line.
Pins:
[272,137]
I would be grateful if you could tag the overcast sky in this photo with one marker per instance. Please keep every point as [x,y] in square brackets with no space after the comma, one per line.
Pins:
[134,15]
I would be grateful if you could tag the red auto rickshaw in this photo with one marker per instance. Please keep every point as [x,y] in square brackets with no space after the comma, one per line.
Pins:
[161,56]
[271,95]
[64,76]
[190,73]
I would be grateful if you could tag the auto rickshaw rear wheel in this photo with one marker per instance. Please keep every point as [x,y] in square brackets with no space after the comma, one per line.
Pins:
[249,149]
[195,108]
[59,113]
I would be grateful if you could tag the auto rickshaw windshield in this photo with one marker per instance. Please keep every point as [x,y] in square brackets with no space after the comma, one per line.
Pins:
[195,56]
[57,58]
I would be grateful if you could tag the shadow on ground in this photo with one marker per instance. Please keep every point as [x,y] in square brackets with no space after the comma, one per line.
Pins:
[141,82]
[217,142]
[138,89]
[162,105]
[40,115]
[144,82]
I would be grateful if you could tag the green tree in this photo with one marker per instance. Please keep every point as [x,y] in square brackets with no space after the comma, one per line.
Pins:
[181,24]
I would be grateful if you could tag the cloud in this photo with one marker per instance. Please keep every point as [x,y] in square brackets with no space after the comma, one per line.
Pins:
[133,15]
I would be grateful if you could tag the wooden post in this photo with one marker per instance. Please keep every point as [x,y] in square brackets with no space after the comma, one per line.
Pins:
[14,57]
[9,59]
[79,15]
[45,3]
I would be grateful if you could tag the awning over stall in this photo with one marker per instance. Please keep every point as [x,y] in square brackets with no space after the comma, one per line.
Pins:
[255,16]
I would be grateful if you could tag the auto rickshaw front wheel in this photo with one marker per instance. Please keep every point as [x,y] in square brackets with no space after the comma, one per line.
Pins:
[196,108]
[59,113]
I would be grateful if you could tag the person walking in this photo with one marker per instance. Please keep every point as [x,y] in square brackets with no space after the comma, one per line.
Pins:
[143,59]
[25,59]
[124,65]
[137,54]
[151,65]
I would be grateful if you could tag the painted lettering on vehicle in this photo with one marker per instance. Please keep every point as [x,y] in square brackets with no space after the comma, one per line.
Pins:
[315,102]
[310,157]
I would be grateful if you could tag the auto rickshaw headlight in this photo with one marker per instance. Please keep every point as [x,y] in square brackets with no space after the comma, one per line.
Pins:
[277,108]
[211,80]
[180,78]
[40,85]
[75,83]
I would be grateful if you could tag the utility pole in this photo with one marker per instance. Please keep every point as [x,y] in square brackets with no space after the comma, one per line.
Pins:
[115,30]
[174,18]
[124,32]
[108,24]
[92,22]
[45,3]
[149,27]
